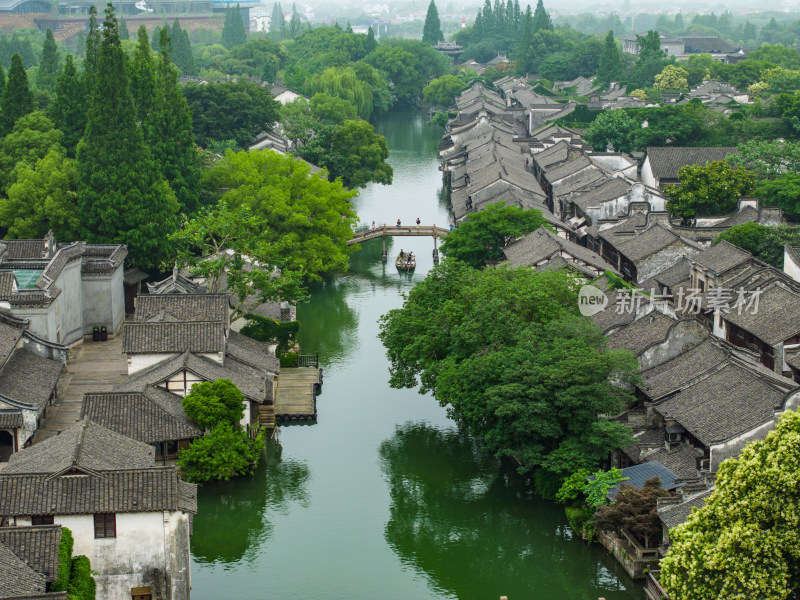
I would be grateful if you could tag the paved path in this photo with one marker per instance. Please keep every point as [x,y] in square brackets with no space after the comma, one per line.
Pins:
[93,367]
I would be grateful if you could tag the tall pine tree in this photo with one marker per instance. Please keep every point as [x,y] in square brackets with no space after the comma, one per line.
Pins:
[524,53]
[122,196]
[123,30]
[295,25]
[541,20]
[432,30]
[68,110]
[17,97]
[169,133]
[142,76]
[49,65]
[233,31]
[181,53]
[609,67]
[92,50]
[276,22]
[2,82]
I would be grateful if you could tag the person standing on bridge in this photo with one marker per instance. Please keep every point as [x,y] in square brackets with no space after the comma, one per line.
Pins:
[418,221]
[373,226]
[398,223]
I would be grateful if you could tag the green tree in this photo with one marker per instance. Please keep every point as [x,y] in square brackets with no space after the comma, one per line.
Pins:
[650,61]
[609,67]
[17,96]
[92,53]
[121,195]
[524,50]
[223,111]
[331,110]
[222,454]
[343,83]
[743,542]
[783,191]
[443,90]
[672,79]
[233,31]
[68,109]
[710,189]
[541,20]
[49,66]
[181,49]
[762,241]
[42,198]
[483,236]
[142,76]
[505,352]
[358,155]
[768,159]
[304,218]
[276,22]
[212,402]
[168,132]
[611,127]
[124,34]
[32,138]
[589,488]
[221,243]
[776,54]
[432,29]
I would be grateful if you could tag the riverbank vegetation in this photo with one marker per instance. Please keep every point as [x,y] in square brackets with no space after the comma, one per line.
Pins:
[508,355]
[227,449]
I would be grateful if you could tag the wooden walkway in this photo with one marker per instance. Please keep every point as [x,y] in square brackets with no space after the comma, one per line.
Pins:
[297,394]
[92,367]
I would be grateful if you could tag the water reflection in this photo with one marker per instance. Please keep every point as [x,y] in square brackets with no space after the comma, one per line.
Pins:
[235,514]
[470,526]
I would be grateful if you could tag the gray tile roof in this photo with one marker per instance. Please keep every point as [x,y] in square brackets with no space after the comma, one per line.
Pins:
[642,333]
[85,446]
[543,244]
[674,374]
[726,403]
[37,546]
[151,416]
[120,491]
[748,214]
[29,378]
[10,418]
[638,474]
[722,256]
[171,337]
[668,160]
[9,337]
[777,318]
[183,307]
[675,274]
[674,515]
[681,460]
[7,280]
[22,249]
[250,381]
[609,189]
[17,578]
[652,240]
[609,317]
[252,353]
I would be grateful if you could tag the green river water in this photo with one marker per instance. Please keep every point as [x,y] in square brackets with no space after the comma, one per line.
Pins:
[383,499]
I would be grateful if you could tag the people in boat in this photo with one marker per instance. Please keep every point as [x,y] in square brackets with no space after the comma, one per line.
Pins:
[401,253]
[418,221]
[398,222]
[410,258]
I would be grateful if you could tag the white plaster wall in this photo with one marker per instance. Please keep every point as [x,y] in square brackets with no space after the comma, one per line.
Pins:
[791,268]
[733,447]
[103,301]
[144,553]
[245,420]
[68,305]
[138,362]
[218,357]
[647,176]
[42,320]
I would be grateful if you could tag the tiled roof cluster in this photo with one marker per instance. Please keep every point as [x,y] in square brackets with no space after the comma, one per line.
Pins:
[668,160]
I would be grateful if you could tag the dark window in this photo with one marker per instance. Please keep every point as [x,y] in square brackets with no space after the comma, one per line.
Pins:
[42,520]
[105,525]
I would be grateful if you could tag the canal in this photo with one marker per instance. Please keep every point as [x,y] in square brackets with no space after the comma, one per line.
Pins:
[383,499]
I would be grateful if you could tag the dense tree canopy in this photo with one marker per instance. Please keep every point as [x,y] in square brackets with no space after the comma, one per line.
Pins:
[68,109]
[612,127]
[505,352]
[443,90]
[707,190]
[17,97]
[32,138]
[762,241]
[483,236]
[222,111]
[122,196]
[212,402]
[49,65]
[744,542]
[303,217]
[432,29]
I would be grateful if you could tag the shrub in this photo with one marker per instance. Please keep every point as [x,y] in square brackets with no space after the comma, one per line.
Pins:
[61,581]
[81,584]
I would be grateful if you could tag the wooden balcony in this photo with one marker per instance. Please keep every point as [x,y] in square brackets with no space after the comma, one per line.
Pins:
[653,589]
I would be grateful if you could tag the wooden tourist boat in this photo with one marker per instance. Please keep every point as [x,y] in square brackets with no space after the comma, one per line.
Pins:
[403,263]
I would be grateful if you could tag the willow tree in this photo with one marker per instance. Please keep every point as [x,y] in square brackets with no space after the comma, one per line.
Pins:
[122,196]
[343,83]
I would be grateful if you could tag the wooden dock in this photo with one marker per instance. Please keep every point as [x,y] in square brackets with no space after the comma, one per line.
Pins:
[297,394]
